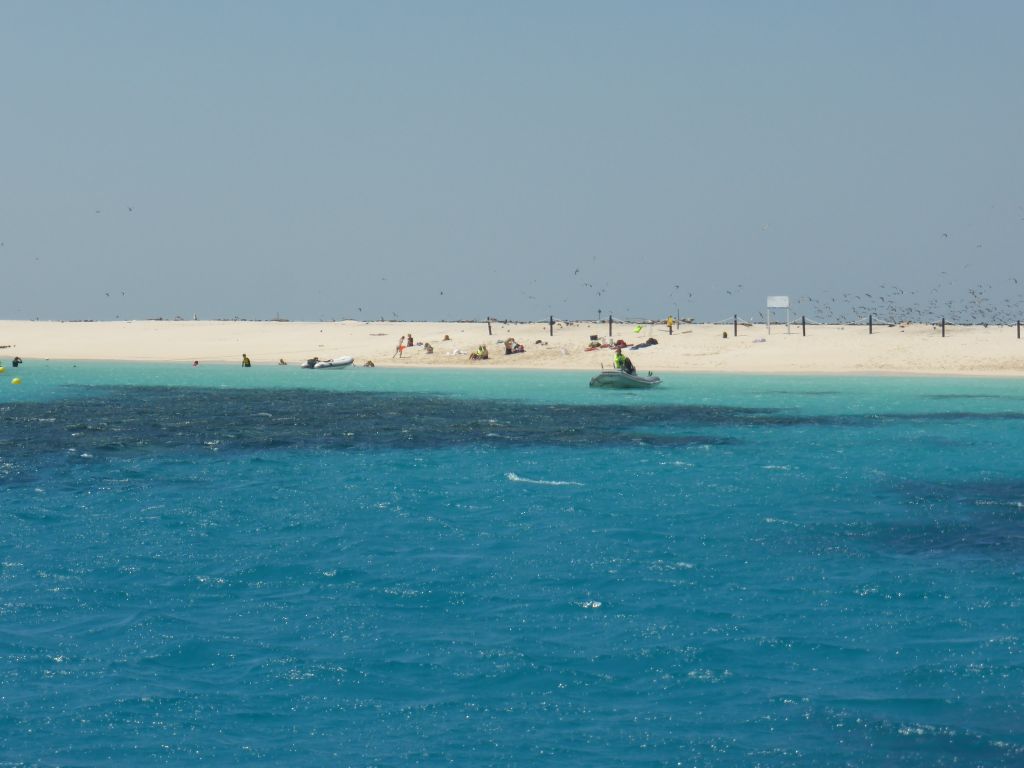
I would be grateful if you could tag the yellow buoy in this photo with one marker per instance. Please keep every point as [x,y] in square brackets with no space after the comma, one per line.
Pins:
[15,380]
[2,369]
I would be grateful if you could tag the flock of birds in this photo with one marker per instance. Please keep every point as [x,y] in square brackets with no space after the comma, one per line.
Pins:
[948,299]
[951,297]
[891,304]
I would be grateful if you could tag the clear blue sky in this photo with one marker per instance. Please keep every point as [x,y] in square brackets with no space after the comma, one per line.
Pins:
[324,160]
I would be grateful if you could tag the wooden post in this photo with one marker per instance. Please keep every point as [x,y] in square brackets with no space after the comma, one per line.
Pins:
[871,328]
[551,325]
[610,324]
[943,327]
[488,326]
[735,325]
[803,324]
[1018,329]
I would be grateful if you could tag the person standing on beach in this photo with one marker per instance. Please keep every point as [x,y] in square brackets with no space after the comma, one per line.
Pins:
[246,362]
[399,348]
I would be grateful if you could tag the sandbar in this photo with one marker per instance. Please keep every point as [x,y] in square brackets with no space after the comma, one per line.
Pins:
[825,349]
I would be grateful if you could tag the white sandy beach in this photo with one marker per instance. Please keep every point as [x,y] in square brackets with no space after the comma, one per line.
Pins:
[914,349]
[827,349]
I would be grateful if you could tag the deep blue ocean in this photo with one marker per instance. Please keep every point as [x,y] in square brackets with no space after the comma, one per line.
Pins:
[275,566]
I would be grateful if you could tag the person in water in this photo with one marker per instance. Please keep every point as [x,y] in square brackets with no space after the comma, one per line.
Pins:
[246,362]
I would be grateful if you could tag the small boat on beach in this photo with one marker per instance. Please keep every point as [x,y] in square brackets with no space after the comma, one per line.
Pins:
[341,361]
[617,379]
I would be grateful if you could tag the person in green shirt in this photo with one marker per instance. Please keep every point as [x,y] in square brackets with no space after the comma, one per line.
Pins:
[623,363]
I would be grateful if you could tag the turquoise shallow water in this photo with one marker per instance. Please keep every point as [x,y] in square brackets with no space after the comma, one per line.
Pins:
[370,567]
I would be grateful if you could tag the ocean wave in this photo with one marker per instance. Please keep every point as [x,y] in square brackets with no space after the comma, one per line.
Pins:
[998,503]
[517,479]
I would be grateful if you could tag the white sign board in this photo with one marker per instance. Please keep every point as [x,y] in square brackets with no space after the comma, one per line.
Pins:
[778,302]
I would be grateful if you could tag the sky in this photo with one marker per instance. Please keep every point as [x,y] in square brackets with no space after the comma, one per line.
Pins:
[459,160]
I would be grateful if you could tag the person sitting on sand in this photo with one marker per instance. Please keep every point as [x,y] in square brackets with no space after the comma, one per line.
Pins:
[281,362]
[369,364]
[246,362]
[409,342]
[428,348]
[512,346]
[480,354]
